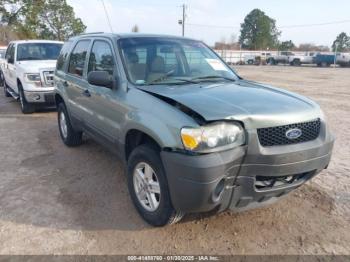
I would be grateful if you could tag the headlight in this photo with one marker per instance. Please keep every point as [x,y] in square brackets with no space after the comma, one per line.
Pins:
[213,137]
[32,78]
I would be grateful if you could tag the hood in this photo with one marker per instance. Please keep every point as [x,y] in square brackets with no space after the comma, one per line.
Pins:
[254,104]
[37,65]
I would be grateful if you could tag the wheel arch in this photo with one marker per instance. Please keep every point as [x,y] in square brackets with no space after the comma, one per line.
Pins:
[135,137]
[58,99]
[19,82]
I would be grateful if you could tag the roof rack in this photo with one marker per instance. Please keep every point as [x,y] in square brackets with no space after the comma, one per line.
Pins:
[92,33]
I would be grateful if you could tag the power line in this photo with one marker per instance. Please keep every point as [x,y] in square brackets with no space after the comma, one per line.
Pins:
[319,24]
[215,26]
[109,21]
[286,26]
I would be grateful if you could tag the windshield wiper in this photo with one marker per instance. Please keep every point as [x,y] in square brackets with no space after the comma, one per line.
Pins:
[173,83]
[212,77]
[163,77]
[167,75]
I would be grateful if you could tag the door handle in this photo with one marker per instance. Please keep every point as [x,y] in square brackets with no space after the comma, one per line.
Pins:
[86,93]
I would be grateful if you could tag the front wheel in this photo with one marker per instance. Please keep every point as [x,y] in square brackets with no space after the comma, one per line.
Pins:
[296,62]
[148,187]
[271,61]
[26,108]
[69,136]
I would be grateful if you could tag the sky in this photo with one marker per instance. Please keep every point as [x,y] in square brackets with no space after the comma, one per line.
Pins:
[222,18]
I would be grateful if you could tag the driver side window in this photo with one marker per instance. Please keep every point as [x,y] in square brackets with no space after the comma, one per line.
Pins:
[77,58]
[101,58]
[10,55]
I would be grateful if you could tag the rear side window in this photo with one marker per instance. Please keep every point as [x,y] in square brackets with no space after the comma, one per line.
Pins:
[62,58]
[101,57]
[77,58]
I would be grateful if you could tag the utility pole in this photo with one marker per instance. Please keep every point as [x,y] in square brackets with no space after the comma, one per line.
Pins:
[182,22]
[335,54]
[183,19]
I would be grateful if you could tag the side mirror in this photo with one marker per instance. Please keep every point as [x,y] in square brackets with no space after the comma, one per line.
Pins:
[100,78]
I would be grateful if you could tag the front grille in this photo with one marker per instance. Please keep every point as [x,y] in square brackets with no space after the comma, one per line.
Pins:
[276,136]
[49,78]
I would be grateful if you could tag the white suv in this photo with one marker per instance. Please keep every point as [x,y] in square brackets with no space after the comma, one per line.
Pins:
[28,72]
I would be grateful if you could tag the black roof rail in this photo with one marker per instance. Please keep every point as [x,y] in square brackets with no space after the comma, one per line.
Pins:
[92,33]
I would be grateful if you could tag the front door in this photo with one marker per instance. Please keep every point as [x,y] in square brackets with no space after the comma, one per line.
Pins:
[104,102]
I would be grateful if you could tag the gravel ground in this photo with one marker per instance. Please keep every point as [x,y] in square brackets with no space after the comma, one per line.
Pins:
[56,200]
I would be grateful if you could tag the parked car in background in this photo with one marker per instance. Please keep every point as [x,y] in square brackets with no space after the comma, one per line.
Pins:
[195,136]
[281,57]
[343,59]
[305,59]
[324,60]
[28,72]
[2,60]
[2,52]
[249,59]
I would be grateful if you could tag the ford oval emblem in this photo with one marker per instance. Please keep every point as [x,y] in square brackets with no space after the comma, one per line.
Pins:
[294,133]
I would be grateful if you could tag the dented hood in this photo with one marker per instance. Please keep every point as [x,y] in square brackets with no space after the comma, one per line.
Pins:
[255,104]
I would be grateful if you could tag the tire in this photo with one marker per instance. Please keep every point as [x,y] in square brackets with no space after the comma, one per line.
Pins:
[26,108]
[161,213]
[2,80]
[250,62]
[4,85]
[271,61]
[296,62]
[69,136]
[6,92]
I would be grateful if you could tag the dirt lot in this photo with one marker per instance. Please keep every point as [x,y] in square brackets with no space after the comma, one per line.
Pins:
[75,201]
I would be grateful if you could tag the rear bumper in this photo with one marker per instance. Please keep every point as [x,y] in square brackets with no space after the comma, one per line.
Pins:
[231,179]
[47,97]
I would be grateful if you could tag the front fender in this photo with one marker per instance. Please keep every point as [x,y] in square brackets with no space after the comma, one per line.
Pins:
[156,118]
[165,135]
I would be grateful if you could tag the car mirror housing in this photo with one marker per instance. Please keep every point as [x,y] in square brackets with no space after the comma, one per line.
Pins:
[100,78]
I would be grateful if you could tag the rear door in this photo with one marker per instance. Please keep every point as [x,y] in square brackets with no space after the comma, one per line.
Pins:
[105,103]
[75,80]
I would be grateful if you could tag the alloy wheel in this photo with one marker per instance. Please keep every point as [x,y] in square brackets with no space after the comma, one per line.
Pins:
[63,125]
[146,186]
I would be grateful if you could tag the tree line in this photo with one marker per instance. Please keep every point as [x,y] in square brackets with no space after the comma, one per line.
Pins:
[34,19]
[259,32]
[56,20]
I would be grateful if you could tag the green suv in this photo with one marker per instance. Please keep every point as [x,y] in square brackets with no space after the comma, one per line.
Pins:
[194,136]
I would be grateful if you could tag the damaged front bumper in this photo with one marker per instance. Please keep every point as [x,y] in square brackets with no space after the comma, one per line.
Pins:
[245,177]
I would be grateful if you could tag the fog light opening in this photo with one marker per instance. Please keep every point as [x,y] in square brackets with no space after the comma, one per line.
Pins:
[218,190]
[37,97]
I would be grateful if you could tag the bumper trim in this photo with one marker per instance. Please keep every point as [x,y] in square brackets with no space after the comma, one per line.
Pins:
[40,97]
[245,196]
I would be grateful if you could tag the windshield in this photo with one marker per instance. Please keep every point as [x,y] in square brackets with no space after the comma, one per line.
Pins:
[153,60]
[38,51]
